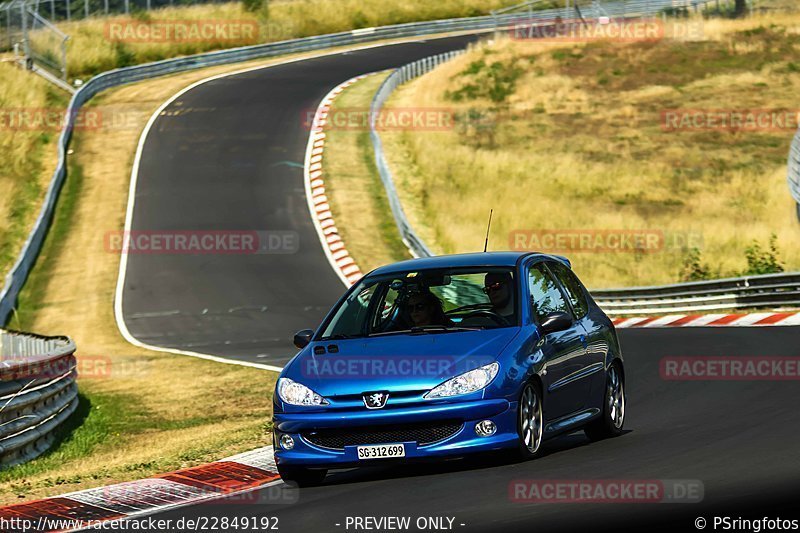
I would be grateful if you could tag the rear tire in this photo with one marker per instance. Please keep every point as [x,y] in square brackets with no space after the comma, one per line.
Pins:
[301,477]
[530,422]
[613,416]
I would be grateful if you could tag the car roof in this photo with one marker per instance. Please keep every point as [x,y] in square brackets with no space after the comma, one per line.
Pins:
[475,259]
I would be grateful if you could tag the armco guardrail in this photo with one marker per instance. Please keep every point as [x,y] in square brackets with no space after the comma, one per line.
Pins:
[400,76]
[37,393]
[794,171]
[21,269]
[768,291]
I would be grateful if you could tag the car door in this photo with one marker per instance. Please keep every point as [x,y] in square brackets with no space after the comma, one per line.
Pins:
[596,335]
[564,352]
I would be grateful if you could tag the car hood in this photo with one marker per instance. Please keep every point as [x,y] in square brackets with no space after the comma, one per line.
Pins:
[402,362]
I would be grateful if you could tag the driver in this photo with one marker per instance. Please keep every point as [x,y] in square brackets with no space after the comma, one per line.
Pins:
[498,287]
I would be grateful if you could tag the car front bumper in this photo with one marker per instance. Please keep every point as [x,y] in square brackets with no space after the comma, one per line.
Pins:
[462,442]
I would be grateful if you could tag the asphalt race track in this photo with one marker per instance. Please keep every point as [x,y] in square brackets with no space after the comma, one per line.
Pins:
[225,155]
[228,156]
[739,439]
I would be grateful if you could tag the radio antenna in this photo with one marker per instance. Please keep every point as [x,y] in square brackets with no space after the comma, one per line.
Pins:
[486,242]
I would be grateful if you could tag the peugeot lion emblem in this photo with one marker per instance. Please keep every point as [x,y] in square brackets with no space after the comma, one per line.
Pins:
[375,400]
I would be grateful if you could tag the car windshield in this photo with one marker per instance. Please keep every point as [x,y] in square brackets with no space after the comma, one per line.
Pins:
[420,302]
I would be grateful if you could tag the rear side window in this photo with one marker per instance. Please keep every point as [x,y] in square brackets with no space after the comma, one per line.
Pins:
[546,297]
[573,286]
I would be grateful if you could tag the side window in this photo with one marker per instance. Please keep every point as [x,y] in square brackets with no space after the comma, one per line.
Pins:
[573,286]
[546,297]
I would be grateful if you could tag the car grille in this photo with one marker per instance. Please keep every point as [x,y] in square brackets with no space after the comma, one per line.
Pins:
[422,434]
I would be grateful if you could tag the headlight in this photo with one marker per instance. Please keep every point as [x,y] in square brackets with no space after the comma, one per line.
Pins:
[465,383]
[297,394]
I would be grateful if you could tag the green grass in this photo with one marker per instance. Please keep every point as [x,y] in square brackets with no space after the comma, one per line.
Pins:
[27,156]
[33,295]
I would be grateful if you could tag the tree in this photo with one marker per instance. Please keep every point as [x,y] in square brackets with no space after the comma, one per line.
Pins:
[740,8]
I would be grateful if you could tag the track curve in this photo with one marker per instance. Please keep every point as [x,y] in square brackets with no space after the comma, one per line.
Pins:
[220,157]
[228,155]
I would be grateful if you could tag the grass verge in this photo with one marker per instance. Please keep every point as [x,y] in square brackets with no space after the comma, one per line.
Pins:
[352,182]
[141,412]
[99,44]
[571,137]
[27,154]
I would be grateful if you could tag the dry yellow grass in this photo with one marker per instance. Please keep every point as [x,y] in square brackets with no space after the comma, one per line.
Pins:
[91,50]
[27,155]
[357,197]
[577,143]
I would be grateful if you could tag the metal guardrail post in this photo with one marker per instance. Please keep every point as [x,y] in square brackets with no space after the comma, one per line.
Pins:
[401,75]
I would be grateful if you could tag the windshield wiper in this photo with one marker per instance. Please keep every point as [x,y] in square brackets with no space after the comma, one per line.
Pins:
[416,330]
[440,329]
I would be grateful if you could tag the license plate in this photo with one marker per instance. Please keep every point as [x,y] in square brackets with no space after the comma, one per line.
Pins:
[382,451]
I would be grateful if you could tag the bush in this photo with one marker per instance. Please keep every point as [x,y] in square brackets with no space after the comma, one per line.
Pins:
[763,261]
[253,5]
[495,81]
[693,268]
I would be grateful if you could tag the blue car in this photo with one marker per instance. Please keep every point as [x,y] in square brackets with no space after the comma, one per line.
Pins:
[447,356]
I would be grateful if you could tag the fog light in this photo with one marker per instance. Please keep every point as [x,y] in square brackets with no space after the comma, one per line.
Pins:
[485,428]
[287,442]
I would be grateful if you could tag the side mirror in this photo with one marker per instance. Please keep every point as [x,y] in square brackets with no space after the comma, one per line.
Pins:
[555,322]
[303,337]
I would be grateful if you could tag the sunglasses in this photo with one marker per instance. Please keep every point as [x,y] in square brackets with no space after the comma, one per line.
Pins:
[421,306]
[493,287]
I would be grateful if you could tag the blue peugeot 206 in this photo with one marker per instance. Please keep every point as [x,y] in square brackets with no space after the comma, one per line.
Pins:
[448,356]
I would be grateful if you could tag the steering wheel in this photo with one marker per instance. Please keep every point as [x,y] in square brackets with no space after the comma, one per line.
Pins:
[499,320]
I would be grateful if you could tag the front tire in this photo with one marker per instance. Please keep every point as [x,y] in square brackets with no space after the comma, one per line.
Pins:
[301,477]
[530,423]
[613,417]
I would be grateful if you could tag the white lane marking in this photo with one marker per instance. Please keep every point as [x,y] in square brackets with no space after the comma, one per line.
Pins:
[123,263]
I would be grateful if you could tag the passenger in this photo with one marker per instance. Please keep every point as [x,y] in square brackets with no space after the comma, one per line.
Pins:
[498,286]
[425,309]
